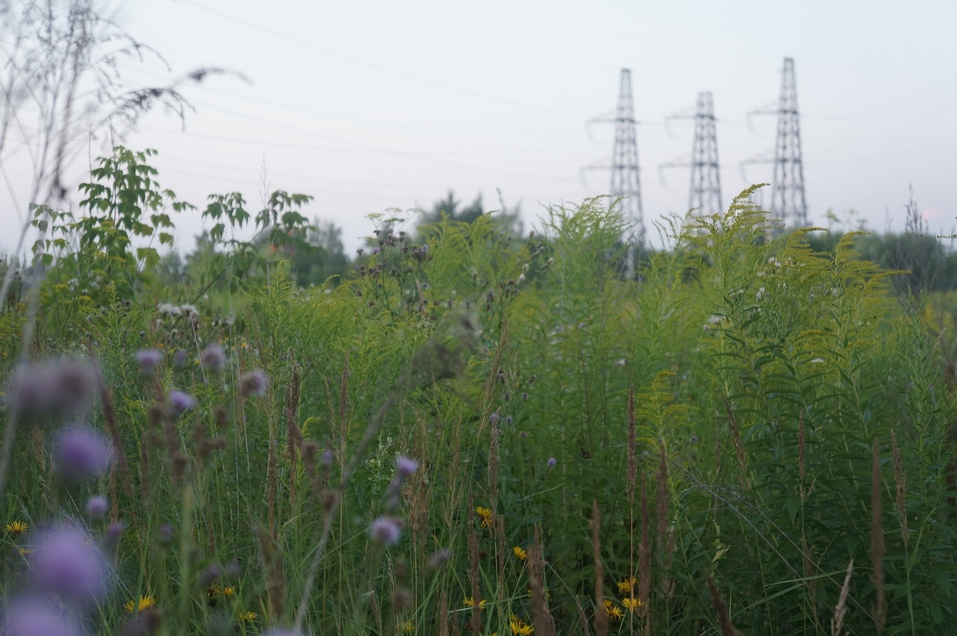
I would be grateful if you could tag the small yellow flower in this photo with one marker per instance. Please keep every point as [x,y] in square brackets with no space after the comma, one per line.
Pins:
[613,610]
[25,551]
[519,627]
[16,528]
[229,591]
[214,591]
[631,603]
[626,586]
[406,626]
[548,595]
[486,517]
[144,603]
[246,617]
[470,602]
[519,552]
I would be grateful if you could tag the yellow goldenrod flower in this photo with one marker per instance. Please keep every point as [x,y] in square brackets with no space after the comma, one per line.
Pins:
[470,602]
[631,603]
[626,586]
[17,527]
[246,617]
[519,627]
[144,603]
[486,517]
[520,553]
[613,610]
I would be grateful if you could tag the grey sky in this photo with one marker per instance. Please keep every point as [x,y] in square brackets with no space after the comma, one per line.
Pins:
[369,105]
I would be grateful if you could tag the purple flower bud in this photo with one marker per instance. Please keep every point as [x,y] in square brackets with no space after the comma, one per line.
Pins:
[325,460]
[96,507]
[67,561]
[385,530]
[180,402]
[493,418]
[81,453]
[438,559]
[210,575]
[180,359]
[148,359]
[166,534]
[213,357]
[37,617]
[551,462]
[405,466]
[253,383]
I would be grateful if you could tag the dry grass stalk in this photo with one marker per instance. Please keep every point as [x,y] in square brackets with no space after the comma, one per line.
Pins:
[475,623]
[541,617]
[272,480]
[601,618]
[644,557]
[665,539]
[443,616]
[900,480]
[275,581]
[877,540]
[632,438]
[837,623]
[583,618]
[811,583]
[294,435]
[801,453]
[738,446]
[119,455]
[721,608]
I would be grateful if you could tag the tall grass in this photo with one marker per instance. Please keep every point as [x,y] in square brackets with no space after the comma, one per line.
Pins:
[706,448]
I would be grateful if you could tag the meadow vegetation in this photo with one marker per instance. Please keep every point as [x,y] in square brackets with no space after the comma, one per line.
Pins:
[471,432]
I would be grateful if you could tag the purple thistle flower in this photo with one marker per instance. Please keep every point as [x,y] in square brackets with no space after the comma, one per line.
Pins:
[180,402]
[66,560]
[406,466]
[52,389]
[551,462]
[253,383]
[96,507]
[493,418]
[213,357]
[325,460]
[148,359]
[37,617]
[81,453]
[385,530]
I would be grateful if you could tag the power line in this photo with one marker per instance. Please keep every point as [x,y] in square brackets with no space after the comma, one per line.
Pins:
[384,69]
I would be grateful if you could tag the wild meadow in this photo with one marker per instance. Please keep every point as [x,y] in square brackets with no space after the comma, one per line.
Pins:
[470,433]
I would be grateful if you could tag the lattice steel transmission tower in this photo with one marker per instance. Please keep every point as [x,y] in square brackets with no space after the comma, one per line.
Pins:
[787,186]
[704,195]
[624,158]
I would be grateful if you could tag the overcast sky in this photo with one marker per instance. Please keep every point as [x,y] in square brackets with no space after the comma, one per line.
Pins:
[369,105]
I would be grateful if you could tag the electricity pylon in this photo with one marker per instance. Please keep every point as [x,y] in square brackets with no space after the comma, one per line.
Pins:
[787,186]
[625,183]
[704,195]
